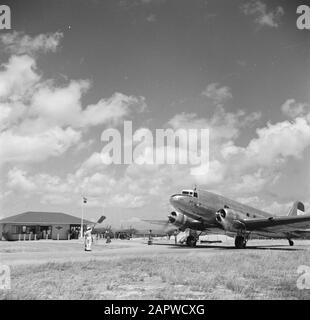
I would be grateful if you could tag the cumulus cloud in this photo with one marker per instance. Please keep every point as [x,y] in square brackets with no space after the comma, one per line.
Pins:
[55,199]
[93,162]
[277,157]
[293,109]
[253,170]
[17,180]
[50,189]
[247,172]
[263,16]
[251,182]
[40,119]
[218,94]
[144,183]
[258,167]
[62,106]
[279,141]
[16,147]
[222,124]
[214,176]
[17,77]
[20,180]
[59,105]
[111,110]
[20,43]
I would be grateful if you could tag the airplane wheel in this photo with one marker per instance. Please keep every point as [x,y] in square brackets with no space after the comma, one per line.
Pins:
[240,242]
[291,242]
[191,241]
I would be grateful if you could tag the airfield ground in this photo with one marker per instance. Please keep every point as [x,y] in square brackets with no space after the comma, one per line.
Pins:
[131,269]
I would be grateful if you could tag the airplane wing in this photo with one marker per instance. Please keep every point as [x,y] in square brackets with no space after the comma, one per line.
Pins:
[295,222]
[295,225]
[159,222]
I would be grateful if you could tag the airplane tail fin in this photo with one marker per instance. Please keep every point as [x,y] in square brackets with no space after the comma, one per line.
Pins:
[297,209]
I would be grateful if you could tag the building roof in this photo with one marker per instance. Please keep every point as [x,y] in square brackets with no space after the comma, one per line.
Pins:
[43,218]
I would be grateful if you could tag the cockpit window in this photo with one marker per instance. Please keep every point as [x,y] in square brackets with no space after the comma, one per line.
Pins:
[191,193]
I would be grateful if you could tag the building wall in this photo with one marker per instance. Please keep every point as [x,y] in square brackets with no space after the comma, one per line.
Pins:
[61,229]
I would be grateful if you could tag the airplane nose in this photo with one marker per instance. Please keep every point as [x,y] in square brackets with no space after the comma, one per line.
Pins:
[179,202]
[175,199]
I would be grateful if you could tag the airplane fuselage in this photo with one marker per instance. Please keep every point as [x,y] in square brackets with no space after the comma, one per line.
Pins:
[206,204]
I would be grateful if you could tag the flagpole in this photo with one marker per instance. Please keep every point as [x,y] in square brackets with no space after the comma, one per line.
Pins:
[82,217]
[84,200]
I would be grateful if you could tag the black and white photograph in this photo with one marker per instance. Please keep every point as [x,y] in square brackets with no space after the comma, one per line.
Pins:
[154,150]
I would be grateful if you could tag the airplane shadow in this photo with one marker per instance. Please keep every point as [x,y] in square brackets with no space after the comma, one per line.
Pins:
[219,247]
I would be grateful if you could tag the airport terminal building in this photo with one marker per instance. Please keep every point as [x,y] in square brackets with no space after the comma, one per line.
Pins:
[41,225]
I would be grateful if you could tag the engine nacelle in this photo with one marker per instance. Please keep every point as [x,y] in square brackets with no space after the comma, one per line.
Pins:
[229,220]
[177,218]
[183,222]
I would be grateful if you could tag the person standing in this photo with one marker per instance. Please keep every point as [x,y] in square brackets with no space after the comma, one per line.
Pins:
[150,241]
[88,238]
[175,237]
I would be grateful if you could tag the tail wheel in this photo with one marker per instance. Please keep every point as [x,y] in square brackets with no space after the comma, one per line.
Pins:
[240,242]
[191,241]
[291,242]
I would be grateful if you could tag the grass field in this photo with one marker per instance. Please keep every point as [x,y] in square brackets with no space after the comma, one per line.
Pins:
[201,273]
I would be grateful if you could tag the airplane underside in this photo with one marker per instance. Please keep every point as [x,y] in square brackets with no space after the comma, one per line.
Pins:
[240,239]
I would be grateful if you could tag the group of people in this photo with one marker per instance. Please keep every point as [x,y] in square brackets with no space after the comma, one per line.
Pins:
[75,232]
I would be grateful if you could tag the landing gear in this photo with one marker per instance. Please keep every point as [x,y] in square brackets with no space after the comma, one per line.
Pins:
[291,242]
[240,242]
[191,241]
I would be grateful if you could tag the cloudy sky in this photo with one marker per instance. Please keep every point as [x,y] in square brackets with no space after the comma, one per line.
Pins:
[71,69]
